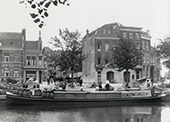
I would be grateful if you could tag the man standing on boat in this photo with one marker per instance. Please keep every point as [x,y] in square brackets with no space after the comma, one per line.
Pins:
[107,86]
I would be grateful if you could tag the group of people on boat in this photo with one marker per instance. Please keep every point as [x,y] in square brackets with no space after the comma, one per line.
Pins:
[100,87]
[57,83]
[60,82]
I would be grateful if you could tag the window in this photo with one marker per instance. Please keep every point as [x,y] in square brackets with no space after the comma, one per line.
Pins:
[130,35]
[34,60]
[99,47]
[31,60]
[147,45]
[124,35]
[147,58]
[28,60]
[106,61]
[137,36]
[106,46]
[16,58]
[143,44]
[138,45]
[40,61]
[114,45]
[99,76]
[16,73]
[98,60]
[133,77]
[137,74]
[6,73]
[6,58]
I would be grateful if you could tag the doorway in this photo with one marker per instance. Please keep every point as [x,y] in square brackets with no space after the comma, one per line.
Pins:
[127,77]
[110,76]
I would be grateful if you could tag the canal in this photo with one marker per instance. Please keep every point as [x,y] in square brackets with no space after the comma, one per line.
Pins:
[138,113]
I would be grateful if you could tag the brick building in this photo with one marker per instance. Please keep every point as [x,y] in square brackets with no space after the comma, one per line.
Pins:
[11,55]
[33,59]
[20,59]
[98,44]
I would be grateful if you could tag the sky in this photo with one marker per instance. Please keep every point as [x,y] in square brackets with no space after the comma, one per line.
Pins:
[153,15]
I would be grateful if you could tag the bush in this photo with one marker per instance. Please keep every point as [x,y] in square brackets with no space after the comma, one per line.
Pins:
[2,86]
[12,81]
[2,92]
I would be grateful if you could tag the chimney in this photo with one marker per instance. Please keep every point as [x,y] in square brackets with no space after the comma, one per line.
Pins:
[148,32]
[39,39]
[87,31]
[23,37]
[23,34]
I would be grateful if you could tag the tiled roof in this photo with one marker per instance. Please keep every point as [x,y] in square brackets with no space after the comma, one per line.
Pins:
[9,35]
[13,40]
[111,30]
[31,45]
[107,29]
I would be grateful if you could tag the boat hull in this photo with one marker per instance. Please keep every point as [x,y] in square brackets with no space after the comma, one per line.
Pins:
[166,99]
[81,101]
[2,97]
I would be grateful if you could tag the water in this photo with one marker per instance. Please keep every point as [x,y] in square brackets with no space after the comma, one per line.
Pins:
[145,113]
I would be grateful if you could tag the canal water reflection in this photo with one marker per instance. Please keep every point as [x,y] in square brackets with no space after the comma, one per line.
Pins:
[151,113]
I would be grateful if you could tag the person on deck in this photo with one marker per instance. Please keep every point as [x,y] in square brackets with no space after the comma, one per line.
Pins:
[100,86]
[107,86]
[64,85]
[81,82]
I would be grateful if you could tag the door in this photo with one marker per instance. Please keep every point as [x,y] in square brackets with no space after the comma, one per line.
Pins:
[110,76]
[127,77]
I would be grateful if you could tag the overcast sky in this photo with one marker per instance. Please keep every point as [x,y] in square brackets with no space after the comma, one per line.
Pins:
[153,15]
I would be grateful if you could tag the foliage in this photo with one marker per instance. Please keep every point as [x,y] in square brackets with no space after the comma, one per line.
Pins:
[40,9]
[163,51]
[70,48]
[126,55]
[12,81]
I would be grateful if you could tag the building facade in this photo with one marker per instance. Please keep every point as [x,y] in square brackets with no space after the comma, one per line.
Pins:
[97,46]
[11,55]
[20,59]
[33,59]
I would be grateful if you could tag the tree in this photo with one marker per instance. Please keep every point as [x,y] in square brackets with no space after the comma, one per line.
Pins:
[40,9]
[70,48]
[126,56]
[163,51]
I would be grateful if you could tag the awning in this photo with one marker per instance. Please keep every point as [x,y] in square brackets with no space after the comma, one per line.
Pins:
[139,67]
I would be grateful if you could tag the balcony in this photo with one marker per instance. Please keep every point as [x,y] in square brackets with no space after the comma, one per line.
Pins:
[138,67]
[33,67]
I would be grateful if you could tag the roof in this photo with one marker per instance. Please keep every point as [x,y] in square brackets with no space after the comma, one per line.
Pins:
[105,30]
[13,40]
[112,30]
[9,35]
[31,45]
